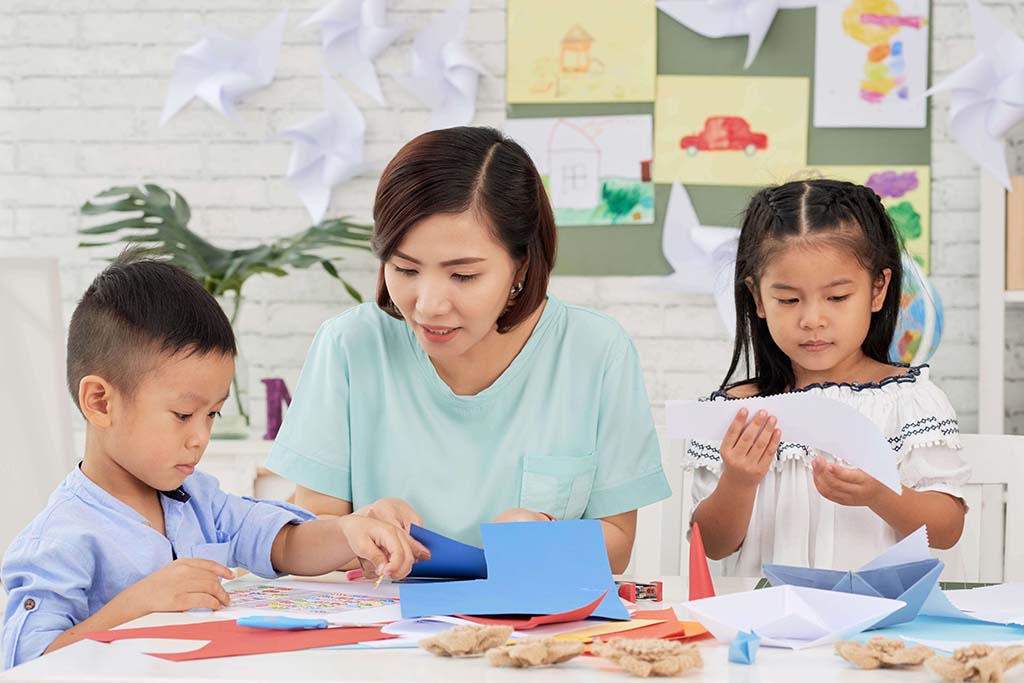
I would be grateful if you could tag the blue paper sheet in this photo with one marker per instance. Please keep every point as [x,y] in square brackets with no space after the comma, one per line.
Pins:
[534,568]
[911,582]
[449,559]
[952,630]
[743,648]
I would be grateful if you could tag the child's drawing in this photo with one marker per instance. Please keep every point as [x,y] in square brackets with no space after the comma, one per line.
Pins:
[581,51]
[717,130]
[725,133]
[871,63]
[593,167]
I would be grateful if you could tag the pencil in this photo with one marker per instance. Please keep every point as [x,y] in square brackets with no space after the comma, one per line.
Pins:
[376,584]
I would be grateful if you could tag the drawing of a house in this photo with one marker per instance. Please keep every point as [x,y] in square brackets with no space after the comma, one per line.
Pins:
[575,56]
[574,168]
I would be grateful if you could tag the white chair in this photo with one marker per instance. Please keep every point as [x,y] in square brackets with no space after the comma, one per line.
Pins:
[990,550]
[992,546]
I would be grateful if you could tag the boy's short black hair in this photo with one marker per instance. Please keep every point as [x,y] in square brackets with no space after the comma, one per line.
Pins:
[136,308]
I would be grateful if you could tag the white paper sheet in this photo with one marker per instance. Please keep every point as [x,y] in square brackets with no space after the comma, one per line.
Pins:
[987,93]
[353,33]
[721,18]
[220,69]
[850,90]
[818,422]
[1003,603]
[327,150]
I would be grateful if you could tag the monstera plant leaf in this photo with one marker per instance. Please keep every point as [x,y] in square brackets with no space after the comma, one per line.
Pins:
[156,221]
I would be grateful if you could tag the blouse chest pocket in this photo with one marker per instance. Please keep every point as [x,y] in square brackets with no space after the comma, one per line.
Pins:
[557,485]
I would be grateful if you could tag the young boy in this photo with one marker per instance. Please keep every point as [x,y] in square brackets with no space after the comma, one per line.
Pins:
[134,528]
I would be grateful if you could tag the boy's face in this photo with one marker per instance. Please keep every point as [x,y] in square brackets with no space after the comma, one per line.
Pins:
[160,432]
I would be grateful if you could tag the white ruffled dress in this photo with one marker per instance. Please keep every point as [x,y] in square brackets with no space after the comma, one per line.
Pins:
[793,524]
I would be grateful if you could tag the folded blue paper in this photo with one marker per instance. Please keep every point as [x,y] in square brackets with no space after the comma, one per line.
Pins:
[910,582]
[449,559]
[533,568]
[743,648]
[950,629]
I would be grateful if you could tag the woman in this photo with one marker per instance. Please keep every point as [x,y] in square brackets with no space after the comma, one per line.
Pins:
[466,394]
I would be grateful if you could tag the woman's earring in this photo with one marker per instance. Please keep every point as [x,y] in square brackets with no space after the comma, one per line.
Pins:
[516,289]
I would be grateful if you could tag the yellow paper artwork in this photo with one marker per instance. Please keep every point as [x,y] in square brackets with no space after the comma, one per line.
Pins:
[729,130]
[905,192]
[581,51]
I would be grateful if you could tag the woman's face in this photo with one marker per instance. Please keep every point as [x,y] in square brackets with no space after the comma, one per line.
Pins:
[451,280]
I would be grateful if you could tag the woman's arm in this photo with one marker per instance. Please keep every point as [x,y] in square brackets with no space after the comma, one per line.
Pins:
[619,534]
[320,504]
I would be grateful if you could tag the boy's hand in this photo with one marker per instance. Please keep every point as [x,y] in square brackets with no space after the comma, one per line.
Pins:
[845,485]
[393,511]
[183,585]
[521,515]
[748,449]
[383,549]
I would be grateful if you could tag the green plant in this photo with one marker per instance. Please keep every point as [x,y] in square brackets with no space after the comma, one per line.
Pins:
[158,223]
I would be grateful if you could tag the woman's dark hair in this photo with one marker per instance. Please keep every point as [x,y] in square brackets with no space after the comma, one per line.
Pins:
[458,169]
[849,215]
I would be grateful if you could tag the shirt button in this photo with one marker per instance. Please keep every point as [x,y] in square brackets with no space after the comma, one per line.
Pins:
[30,604]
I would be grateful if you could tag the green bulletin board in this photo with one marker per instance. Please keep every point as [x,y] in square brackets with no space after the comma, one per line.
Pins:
[788,50]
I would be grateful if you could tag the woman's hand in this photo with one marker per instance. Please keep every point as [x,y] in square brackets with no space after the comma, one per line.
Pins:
[845,485]
[521,515]
[393,511]
[749,449]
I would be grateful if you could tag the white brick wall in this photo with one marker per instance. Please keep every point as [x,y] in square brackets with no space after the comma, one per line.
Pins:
[82,85]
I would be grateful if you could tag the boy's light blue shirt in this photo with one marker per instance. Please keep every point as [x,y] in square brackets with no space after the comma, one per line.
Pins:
[87,546]
[566,429]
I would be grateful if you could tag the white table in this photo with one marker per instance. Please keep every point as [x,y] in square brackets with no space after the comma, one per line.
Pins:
[124,661]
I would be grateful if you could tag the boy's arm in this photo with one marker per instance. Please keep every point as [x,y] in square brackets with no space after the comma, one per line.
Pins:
[322,545]
[176,587]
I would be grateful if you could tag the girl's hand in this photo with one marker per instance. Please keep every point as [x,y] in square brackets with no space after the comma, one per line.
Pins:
[845,485]
[393,511]
[521,515]
[748,449]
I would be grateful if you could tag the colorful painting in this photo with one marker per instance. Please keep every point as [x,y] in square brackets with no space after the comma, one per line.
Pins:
[871,64]
[596,168]
[720,130]
[581,51]
[288,599]
[906,194]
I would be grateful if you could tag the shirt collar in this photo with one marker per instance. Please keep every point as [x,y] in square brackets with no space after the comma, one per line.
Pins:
[82,484]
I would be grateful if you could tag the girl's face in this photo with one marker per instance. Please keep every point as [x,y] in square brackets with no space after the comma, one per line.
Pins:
[818,300]
[451,280]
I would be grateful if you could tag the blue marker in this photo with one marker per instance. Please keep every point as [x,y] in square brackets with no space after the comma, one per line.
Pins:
[282,623]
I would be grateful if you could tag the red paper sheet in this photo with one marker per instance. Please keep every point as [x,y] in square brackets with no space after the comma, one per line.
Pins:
[228,639]
[524,624]
[701,585]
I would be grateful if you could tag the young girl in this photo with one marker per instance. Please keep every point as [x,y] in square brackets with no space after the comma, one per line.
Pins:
[817,289]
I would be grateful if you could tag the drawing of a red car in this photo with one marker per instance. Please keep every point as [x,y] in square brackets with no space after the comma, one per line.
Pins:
[725,133]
